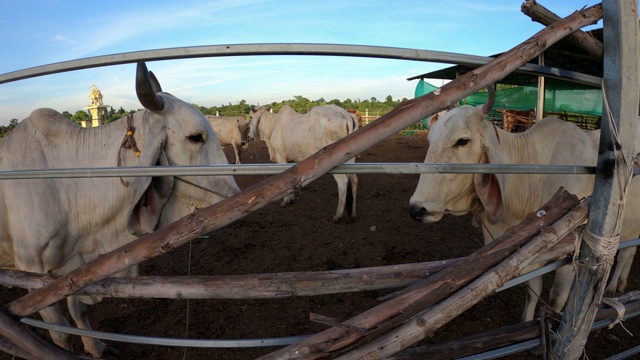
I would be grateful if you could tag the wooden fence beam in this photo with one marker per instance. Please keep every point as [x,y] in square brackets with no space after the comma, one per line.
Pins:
[613,173]
[255,197]
[260,286]
[546,17]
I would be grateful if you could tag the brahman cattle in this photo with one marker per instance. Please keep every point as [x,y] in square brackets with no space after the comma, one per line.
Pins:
[231,130]
[517,120]
[357,114]
[463,135]
[56,225]
[292,137]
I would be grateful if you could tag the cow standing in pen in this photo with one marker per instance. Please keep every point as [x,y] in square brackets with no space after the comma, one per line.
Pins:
[292,137]
[463,135]
[56,225]
[231,130]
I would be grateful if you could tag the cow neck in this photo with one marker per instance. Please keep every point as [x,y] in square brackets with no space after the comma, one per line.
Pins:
[201,187]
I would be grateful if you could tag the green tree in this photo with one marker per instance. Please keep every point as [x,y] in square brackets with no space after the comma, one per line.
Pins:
[79,116]
[389,100]
[67,114]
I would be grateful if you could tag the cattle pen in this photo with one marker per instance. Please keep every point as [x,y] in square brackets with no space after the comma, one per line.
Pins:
[374,329]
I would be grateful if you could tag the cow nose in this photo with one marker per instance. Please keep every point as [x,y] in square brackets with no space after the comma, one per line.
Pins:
[417,212]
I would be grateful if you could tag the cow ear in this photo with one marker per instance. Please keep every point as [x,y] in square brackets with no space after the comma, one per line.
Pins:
[489,191]
[151,195]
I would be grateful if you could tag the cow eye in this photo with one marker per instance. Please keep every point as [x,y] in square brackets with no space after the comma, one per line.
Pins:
[196,138]
[461,142]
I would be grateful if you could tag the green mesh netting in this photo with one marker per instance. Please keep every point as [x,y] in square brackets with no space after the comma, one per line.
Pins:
[422,88]
[560,96]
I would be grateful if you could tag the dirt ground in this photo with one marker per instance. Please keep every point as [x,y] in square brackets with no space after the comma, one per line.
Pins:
[301,238]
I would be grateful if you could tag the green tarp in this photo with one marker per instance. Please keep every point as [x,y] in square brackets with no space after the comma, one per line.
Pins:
[560,96]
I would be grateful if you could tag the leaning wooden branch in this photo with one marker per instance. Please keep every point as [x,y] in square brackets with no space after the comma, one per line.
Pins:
[546,17]
[427,322]
[223,213]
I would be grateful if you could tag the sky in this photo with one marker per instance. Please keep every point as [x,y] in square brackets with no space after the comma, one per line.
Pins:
[41,32]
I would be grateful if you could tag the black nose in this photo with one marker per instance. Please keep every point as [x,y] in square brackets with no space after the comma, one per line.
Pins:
[417,212]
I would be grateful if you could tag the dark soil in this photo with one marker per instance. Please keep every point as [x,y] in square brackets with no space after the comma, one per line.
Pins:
[301,238]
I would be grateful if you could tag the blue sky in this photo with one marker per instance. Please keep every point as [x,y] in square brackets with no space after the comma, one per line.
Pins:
[41,32]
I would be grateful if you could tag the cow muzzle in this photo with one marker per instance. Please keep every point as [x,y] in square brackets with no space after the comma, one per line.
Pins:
[421,214]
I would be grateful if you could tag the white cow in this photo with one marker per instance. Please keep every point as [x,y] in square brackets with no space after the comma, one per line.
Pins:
[463,135]
[231,131]
[56,225]
[292,137]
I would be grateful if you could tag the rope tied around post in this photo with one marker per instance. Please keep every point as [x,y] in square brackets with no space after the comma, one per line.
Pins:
[620,309]
[603,248]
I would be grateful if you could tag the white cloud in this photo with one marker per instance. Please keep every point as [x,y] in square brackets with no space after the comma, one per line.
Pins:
[64,39]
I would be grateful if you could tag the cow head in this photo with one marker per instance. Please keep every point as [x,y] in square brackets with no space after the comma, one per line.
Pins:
[255,116]
[172,132]
[459,136]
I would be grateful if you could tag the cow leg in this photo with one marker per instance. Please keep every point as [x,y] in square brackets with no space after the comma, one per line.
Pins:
[237,152]
[618,282]
[272,152]
[353,180]
[534,288]
[78,311]
[561,287]
[53,315]
[341,180]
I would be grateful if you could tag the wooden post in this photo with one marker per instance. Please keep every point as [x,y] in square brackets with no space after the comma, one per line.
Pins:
[620,87]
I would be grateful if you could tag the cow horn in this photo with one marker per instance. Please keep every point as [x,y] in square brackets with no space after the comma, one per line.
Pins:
[145,89]
[155,84]
[490,100]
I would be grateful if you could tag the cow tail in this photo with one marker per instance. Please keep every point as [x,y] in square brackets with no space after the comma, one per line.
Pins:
[352,126]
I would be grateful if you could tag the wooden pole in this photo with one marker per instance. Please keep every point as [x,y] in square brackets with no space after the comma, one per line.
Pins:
[250,286]
[260,286]
[546,17]
[427,322]
[225,212]
[613,173]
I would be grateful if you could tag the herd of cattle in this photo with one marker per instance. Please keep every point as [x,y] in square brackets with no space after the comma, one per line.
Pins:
[56,225]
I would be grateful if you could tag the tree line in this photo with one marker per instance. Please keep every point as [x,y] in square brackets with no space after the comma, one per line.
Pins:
[299,103]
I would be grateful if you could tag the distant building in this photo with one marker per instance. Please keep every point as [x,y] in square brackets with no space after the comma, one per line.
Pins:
[96,109]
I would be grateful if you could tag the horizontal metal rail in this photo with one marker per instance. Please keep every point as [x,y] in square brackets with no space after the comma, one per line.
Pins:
[273,169]
[152,340]
[382,52]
